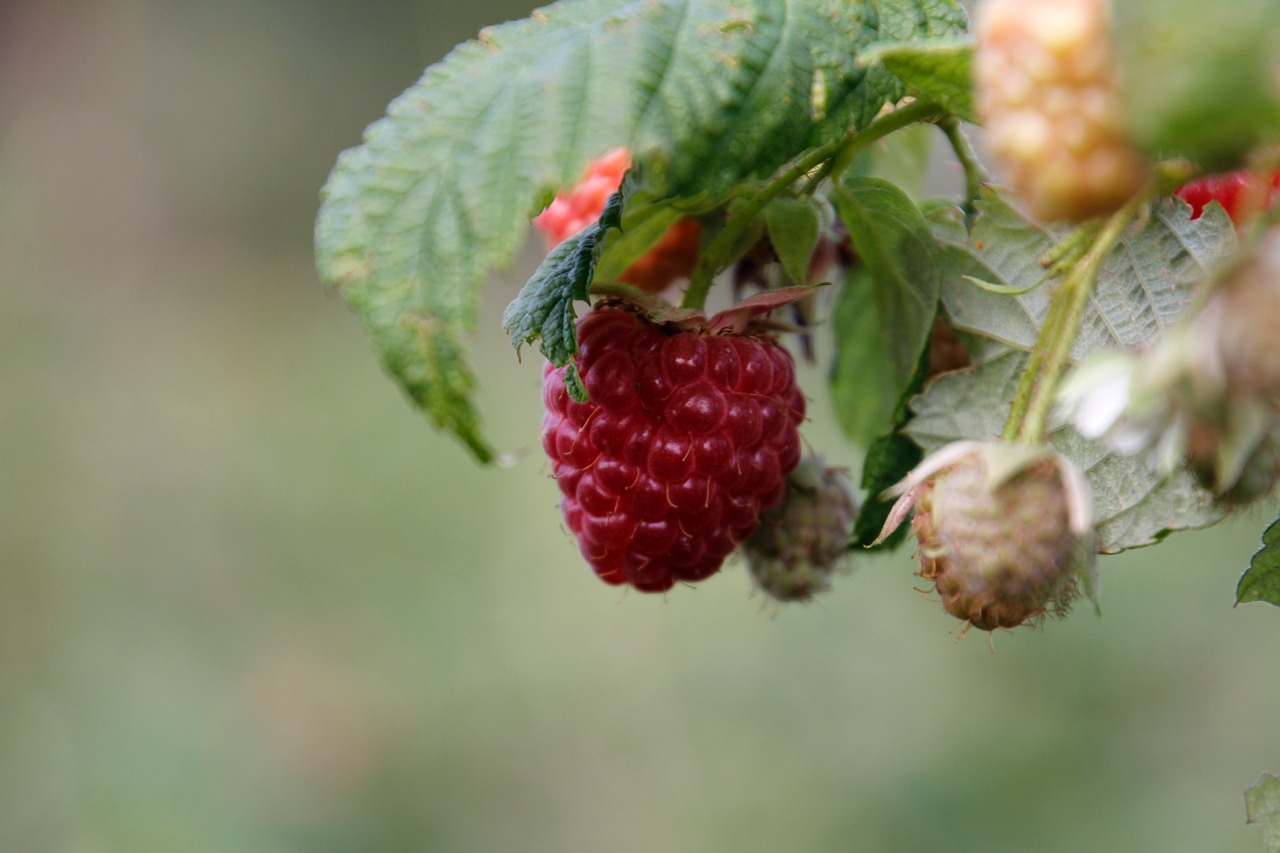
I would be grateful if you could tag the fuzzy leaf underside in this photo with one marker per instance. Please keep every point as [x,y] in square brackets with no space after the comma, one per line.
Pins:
[711,93]
[938,70]
[1262,581]
[1132,506]
[885,309]
[1262,806]
[1144,285]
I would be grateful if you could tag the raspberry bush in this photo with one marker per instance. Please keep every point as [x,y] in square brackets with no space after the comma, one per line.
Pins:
[640,166]
[1082,306]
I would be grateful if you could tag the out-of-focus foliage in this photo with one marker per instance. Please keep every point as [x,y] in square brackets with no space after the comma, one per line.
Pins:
[1262,803]
[1199,78]
[250,602]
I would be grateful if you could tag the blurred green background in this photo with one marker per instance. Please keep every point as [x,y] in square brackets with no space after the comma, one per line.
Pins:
[250,601]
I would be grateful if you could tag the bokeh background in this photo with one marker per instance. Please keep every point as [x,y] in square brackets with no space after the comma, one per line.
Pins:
[251,601]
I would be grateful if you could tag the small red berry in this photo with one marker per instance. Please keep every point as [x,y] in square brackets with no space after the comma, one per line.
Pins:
[687,437]
[671,258]
[1228,189]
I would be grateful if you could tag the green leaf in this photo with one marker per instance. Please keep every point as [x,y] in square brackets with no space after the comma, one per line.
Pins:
[1132,506]
[1199,78]
[885,312]
[889,458]
[1262,805]
[938,70]
[1262,581]
[901,158]
[544,307]
[709,93]
[1144,285]
[863,393]
[793,227]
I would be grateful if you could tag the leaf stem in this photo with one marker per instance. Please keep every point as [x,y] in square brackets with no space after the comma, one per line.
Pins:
[974,173]
[1033,400]
[834,156]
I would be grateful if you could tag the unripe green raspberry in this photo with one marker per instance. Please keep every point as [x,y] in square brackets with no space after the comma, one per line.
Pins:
[1046,90]
[1003,531]
[802,541]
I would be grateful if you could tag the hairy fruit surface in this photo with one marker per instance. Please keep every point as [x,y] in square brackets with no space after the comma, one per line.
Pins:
[1002,531]
[804,540]
[1046,89]
[687,436]
[671,258]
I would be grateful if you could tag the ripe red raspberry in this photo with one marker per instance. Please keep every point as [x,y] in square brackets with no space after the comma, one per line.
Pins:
[1228,189]
[1003,531]
[687,436]
[804,540]
[1046,88]
[672,257]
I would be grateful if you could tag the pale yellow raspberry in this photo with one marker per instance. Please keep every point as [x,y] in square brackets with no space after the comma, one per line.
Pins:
[1046,88]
